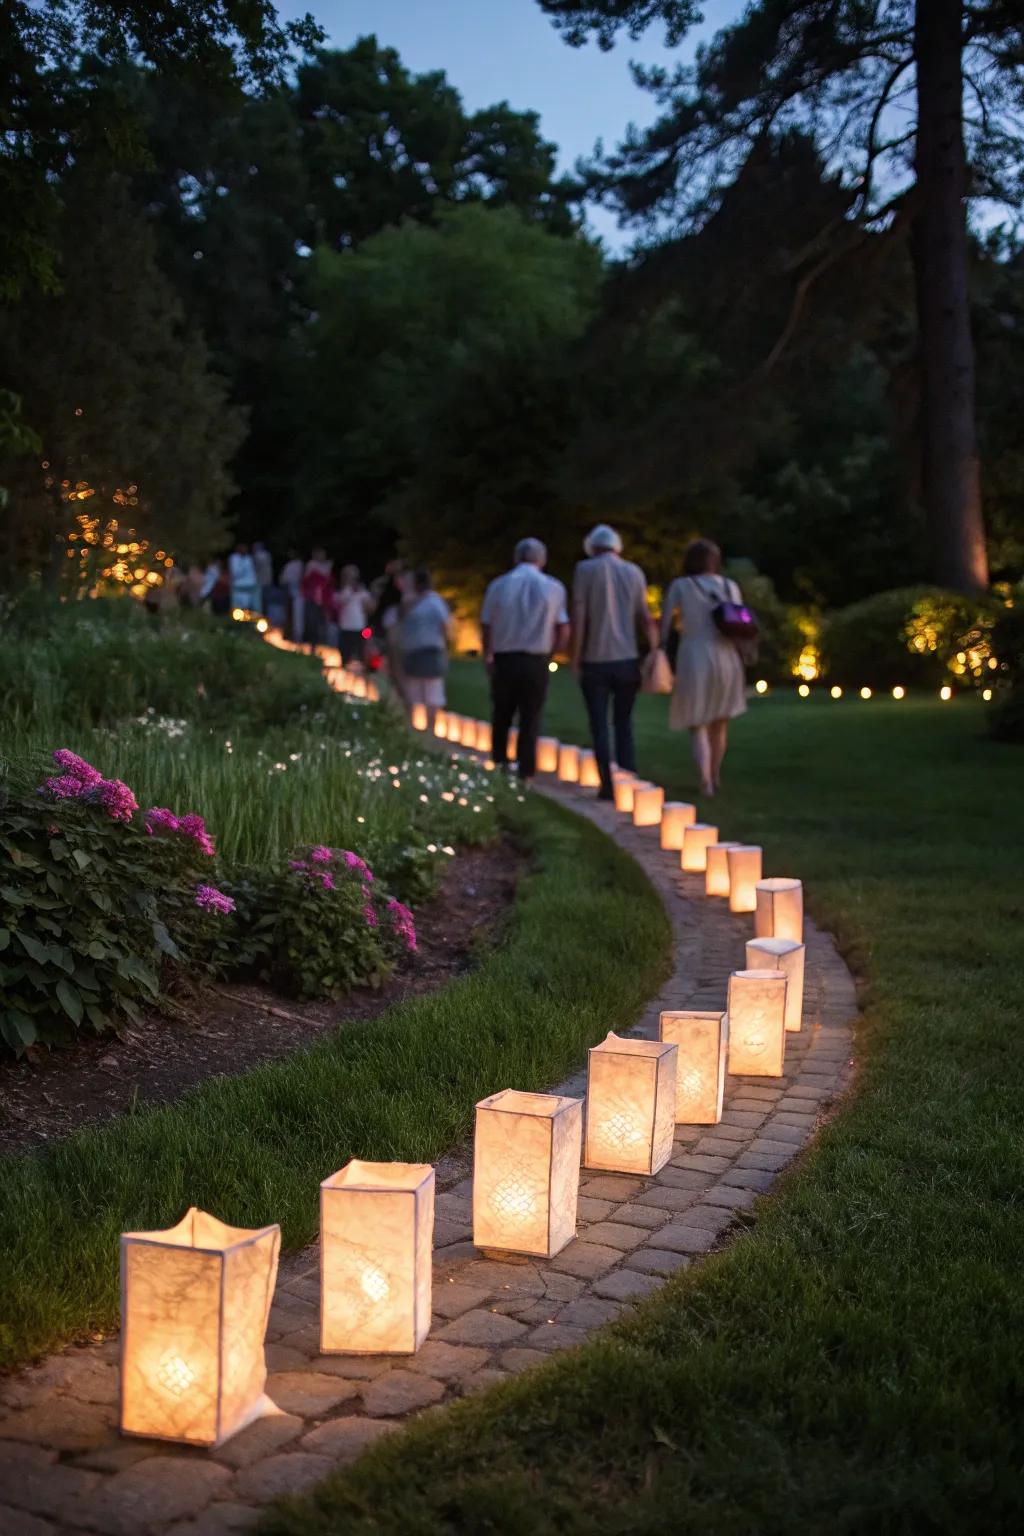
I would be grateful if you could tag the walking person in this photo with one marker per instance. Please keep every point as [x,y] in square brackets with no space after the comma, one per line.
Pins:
[388,593]
[353,606]
[609,617]
[290,581]
[524,620]
[316,592]
[710,686]
[264,568]
[423,639]
[244,585]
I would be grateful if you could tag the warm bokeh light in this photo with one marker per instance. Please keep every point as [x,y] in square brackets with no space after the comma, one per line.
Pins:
[899,692]
[865,693]
[761,686]
[946,692]
[803,691]
[835,691]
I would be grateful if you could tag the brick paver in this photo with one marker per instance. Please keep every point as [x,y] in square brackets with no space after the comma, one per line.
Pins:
[63,1466]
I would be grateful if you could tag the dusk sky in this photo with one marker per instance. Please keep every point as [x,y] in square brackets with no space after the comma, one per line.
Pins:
[508,50]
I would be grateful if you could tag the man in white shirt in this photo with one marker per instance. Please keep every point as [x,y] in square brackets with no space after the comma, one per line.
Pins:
[524,619]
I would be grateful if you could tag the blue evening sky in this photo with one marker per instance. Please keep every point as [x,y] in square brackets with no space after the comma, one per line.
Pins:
[508,50]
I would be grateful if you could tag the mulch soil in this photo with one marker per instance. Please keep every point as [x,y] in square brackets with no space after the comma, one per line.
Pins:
[45,1098]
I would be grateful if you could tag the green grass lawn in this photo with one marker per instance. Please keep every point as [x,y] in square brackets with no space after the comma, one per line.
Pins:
[853,1362]
[587,944]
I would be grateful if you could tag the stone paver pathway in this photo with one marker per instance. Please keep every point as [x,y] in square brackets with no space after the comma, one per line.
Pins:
[64,1468]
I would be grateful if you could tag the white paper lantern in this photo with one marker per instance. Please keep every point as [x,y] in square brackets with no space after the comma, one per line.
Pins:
[702,1041]
[547,754]
[376,1236]
[631,1105]
[483,736]
[744,873]
[757,1023]
[467,732]
[441,725]
[512,748]
[568,763]
[648,800]
[676,816]
[623,786]
[526,1172]
[697,839]
[779,913]
[590,774]
[790,957]
[194,1305]
[716,869]
[419,717]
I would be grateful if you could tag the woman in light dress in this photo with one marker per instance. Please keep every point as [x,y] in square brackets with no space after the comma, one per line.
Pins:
[710,687]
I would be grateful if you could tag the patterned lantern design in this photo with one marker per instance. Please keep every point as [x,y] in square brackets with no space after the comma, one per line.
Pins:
[547,754]
[376,1235]
[676,816]
[526,1172]
[702,1042]
[631,1105]
[697,839]
[744,873]
[757,1023]
[194,1305]
[648,800]
[419,717]
[779,913]
[483,736]
[716,869]
[590,775]
[788,956]
[568,763]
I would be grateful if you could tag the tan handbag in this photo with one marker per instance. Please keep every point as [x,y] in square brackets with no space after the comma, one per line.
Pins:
[656,674]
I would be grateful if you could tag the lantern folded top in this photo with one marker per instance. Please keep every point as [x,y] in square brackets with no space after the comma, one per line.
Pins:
[200,1231]
[358,1175]
[513,1101]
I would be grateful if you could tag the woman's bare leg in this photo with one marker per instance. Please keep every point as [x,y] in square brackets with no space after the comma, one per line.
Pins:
[700,744]
[718,732]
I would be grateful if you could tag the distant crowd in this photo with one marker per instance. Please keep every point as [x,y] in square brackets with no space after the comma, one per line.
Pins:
[400,625]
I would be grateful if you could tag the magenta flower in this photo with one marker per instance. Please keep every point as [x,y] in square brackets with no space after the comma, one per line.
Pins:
[355,862]
[327,881]
[159,819]
[194,826]
[297,864]
[321,854]
[116,799]
[63,787]
[369,916]
[403,923]
[77,768]
[211,900]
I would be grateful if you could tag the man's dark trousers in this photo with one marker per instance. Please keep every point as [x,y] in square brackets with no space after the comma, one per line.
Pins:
[519,686]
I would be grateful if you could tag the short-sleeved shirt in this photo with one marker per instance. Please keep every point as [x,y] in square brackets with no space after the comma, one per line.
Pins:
[523,608]
[425,624]
[609,601]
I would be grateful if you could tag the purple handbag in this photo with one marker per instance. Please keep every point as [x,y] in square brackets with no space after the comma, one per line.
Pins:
[736,621]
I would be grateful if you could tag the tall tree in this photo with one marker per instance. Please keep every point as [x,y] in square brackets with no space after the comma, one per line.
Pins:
[882,88]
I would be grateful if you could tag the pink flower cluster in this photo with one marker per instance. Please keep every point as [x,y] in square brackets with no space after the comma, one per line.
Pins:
[80,780]
[211,900]
[313,867]
[160,820]
[403,924]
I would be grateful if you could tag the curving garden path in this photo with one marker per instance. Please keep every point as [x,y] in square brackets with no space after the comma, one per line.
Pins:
[64,1468]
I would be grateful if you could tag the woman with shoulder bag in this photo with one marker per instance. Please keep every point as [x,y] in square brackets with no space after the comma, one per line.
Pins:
[710,686]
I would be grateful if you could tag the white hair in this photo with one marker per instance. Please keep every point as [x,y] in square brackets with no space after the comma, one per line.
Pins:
[601,538]
[532,550]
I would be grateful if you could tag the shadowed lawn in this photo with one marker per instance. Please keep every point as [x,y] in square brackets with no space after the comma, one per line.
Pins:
[853,1363]
[587,944]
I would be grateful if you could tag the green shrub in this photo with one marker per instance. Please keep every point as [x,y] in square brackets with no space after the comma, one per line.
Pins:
[1006,717]
[915,636]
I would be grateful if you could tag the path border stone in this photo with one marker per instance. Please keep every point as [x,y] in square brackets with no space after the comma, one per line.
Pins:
[64,1468]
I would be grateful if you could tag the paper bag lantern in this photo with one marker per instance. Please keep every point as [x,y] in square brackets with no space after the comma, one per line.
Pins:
[697,839]
[590,774]
[676,816]
[648,800]
[512,749]
[779,913]
[788,956]
[194,1306]
[757,1022]
[455,728]
[376,1236]
[569,763]
[526,1172]
[702,1041]
[483,736]
[623,786]
[744,873]
[547,754]
[631,1105]
[419,717]
[441,725]
[716,869]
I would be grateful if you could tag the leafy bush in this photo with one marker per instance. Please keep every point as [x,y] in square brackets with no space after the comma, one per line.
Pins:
[1006,718]
[914,636]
